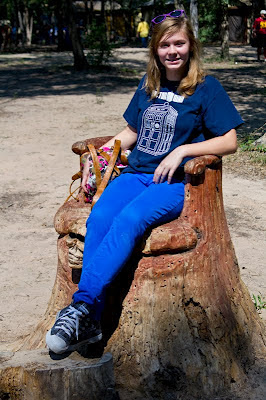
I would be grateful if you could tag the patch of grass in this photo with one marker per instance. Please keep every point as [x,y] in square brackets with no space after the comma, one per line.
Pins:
[217,59]
[259,302]
[127,71]
[251,164]
[99,96]
[258,158]
[247,143]
[256,154]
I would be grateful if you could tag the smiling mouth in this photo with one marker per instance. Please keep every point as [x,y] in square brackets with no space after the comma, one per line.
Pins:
[175,60]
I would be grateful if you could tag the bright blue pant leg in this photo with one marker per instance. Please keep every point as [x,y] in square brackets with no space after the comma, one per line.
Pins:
[150,204]
[118,193]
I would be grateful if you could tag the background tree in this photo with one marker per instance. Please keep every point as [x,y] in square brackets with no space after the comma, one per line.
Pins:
[36,19]
[80,61]
[224,29]
[194,16]
[21,14]
[129,11]
[209,21]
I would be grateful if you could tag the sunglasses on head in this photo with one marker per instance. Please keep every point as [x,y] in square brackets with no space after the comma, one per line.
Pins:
[172,14]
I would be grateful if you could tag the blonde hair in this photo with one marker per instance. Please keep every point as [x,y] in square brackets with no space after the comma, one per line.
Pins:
[156,71]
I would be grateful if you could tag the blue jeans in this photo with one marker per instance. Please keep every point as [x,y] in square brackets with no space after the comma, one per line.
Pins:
[144,41]
[128,206]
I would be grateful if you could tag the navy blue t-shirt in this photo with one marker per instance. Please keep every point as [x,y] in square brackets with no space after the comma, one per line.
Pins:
[170,120]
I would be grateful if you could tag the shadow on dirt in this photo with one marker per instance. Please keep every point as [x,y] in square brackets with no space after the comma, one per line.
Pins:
[44,74]
[245,86]
[52,74]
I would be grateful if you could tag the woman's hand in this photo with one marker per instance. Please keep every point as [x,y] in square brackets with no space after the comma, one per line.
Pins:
[85,176]
[219,146]
[168,166]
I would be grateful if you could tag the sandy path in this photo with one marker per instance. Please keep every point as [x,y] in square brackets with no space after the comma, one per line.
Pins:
[44,109]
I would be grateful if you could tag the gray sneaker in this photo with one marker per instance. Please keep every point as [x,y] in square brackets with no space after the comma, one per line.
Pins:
[72,329]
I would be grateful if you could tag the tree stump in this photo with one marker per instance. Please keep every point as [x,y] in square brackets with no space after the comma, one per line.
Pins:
[178,321]
[188,326]
[34,375]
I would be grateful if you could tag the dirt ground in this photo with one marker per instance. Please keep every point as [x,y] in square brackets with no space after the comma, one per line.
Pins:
[44,108]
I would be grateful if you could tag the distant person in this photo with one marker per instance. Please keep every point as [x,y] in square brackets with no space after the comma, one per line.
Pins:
[1,39]
[143,32]
[14,35]
[259,32]
[5,37]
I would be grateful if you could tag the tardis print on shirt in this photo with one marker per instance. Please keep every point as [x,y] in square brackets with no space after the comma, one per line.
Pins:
[157,129]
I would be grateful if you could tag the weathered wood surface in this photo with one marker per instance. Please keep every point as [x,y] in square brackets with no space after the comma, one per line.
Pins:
[188,324]
[34,375]
[179,321]
[81,146]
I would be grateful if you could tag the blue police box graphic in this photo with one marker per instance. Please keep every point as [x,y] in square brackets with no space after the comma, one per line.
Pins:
[157,129]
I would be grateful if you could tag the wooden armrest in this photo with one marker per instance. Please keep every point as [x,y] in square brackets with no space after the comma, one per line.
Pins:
[197,165]
[81,146]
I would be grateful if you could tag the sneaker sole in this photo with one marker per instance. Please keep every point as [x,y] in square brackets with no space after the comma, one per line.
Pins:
[51,346]
[92,340]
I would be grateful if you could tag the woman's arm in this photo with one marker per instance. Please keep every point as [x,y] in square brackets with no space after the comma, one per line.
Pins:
[128,138]
[221,145]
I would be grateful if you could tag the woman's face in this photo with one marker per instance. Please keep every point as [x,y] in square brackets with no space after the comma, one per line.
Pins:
[173,53]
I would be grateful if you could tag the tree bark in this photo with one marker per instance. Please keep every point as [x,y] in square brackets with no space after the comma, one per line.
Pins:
[188,324]
[224,30]
[35,375]
[28,26]
[80,62]
[178,320]
[194,16]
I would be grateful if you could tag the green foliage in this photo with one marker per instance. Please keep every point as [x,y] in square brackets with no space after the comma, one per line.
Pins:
[209,21]
[216,59]
[259,302]
[247,142]
[249,145]
[99,49]
[256,153]
[127,71]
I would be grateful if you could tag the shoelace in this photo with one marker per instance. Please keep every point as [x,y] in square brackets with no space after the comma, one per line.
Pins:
[69,322]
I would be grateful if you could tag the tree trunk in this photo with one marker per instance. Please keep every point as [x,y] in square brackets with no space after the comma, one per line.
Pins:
[128,28]
[188,324]
[21,27]
[60,17]
[194,16]
[103,11]
[91,12]
[224,30]
[178,320]
[28,26]
[80,62]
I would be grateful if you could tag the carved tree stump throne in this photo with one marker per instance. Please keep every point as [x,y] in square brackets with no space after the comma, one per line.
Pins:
[179,321]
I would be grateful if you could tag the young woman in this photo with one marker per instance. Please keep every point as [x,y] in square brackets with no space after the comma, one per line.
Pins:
[175,114]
